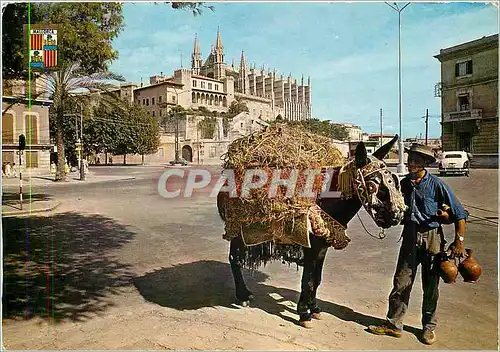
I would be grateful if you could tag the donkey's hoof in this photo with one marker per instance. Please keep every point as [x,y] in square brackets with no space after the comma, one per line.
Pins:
[306,324]
[316,316]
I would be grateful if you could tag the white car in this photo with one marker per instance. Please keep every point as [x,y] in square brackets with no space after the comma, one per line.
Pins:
[454,162]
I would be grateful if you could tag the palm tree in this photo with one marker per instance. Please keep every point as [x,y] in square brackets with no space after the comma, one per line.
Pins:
[70,86]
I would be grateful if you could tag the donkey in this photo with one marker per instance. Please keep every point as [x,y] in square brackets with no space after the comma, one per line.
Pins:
[377,189]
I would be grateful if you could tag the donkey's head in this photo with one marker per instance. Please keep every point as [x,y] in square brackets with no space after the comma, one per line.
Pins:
[377,188]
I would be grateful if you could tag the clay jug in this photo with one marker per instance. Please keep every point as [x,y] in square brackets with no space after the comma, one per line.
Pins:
[470,268]
[447,269]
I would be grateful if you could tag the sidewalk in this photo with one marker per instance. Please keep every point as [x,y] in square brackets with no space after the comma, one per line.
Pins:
[72,178]
[29,207]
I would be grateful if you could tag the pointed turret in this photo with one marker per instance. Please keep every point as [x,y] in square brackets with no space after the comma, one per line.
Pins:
[218,41]
[243,62]
[196,49]
[196,61]
[302,80]
[243,83]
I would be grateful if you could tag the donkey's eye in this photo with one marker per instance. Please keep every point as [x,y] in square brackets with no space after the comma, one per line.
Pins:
[371,187]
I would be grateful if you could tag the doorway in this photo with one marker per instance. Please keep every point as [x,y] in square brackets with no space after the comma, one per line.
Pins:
[465,141]
[187,153]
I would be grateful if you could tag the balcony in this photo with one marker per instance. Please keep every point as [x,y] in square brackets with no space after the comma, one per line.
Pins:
[472,114]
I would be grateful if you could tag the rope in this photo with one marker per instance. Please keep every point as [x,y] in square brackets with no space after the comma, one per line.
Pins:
[487,210]
[381,234]
[484,219]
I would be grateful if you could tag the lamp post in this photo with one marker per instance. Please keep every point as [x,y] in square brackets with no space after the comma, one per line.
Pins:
[401,166]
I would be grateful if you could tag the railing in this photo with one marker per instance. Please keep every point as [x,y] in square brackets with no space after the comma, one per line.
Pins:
[472,114]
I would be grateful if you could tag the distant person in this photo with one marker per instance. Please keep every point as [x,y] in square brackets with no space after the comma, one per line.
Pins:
[8,169]
[53,169]
[14,170]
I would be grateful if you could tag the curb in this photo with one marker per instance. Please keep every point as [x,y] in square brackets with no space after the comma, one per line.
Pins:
[28,212]
[45,182]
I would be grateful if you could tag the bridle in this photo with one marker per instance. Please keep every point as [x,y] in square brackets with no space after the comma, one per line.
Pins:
[365,190]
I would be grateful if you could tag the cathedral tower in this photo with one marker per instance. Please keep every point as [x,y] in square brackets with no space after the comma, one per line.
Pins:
[196,60]
[218,52]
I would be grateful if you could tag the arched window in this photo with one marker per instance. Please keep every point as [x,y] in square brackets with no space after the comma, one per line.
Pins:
[193,97]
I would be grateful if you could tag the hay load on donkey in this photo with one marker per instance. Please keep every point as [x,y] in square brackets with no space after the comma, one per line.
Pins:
[278,179]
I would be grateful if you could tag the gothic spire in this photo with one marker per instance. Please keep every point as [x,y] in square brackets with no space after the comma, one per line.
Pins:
[218,41]
[196,49]
[243,62]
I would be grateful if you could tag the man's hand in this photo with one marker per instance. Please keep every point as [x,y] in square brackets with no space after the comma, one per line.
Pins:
[457,249]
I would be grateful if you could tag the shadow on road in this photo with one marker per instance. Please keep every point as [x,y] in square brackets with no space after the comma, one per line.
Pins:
[12,199]
[59,267]
[209,284]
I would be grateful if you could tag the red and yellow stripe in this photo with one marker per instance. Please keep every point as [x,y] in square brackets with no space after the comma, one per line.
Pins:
[50,58]
[36,41]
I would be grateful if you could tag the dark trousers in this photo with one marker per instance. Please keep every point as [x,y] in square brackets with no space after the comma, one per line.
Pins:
[417,248]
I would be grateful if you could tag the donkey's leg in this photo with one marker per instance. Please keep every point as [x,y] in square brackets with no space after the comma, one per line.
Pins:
[236,252]
[317,275]
[307,285]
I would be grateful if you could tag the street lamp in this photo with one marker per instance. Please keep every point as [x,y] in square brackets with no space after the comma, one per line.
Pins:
[401,166]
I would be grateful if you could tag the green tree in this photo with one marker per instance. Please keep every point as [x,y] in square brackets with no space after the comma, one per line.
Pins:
[237,106]
[196,7]
[146,131]
[322,127]
[170,123]
[61,86]
[85,34]
[101,132]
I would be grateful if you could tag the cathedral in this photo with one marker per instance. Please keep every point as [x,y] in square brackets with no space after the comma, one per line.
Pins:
[256,87]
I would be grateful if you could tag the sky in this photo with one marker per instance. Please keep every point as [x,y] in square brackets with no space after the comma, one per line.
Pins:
[350,51]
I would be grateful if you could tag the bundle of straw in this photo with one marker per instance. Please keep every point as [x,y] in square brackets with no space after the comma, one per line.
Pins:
[278,148]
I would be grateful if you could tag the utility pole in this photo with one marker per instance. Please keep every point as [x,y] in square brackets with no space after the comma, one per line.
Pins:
[22,146]
[176,116]
[381,117]
[426,124]
[82,167]
[401,166]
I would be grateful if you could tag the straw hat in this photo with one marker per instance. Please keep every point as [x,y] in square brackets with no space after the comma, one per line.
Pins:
[423,150]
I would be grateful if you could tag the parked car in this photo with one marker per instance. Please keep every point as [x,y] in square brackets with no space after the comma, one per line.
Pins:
[181,162]
[454,162]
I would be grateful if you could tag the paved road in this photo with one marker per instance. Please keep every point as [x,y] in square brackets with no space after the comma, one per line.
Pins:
[135,270]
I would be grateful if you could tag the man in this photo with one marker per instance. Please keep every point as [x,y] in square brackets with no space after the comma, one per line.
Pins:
[423,239]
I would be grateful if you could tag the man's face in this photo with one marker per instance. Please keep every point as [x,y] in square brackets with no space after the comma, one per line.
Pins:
[416,162]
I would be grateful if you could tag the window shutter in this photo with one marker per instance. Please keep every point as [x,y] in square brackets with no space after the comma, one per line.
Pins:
[456,70]
[469,67]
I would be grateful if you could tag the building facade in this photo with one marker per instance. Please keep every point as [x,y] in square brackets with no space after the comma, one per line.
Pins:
[469,98]
[354,132]
[17,119]
[214,84]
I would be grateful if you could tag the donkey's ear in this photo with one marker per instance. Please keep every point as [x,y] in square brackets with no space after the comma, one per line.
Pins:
[361,155]
[381,152]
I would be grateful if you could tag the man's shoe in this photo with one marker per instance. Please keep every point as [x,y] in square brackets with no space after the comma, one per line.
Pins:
[428,336]
[384,329]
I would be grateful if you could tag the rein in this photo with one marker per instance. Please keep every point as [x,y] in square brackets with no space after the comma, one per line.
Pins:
[381,234]
[361,191]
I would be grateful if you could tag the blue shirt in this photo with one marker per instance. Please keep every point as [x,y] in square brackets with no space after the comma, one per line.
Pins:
[426,197]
